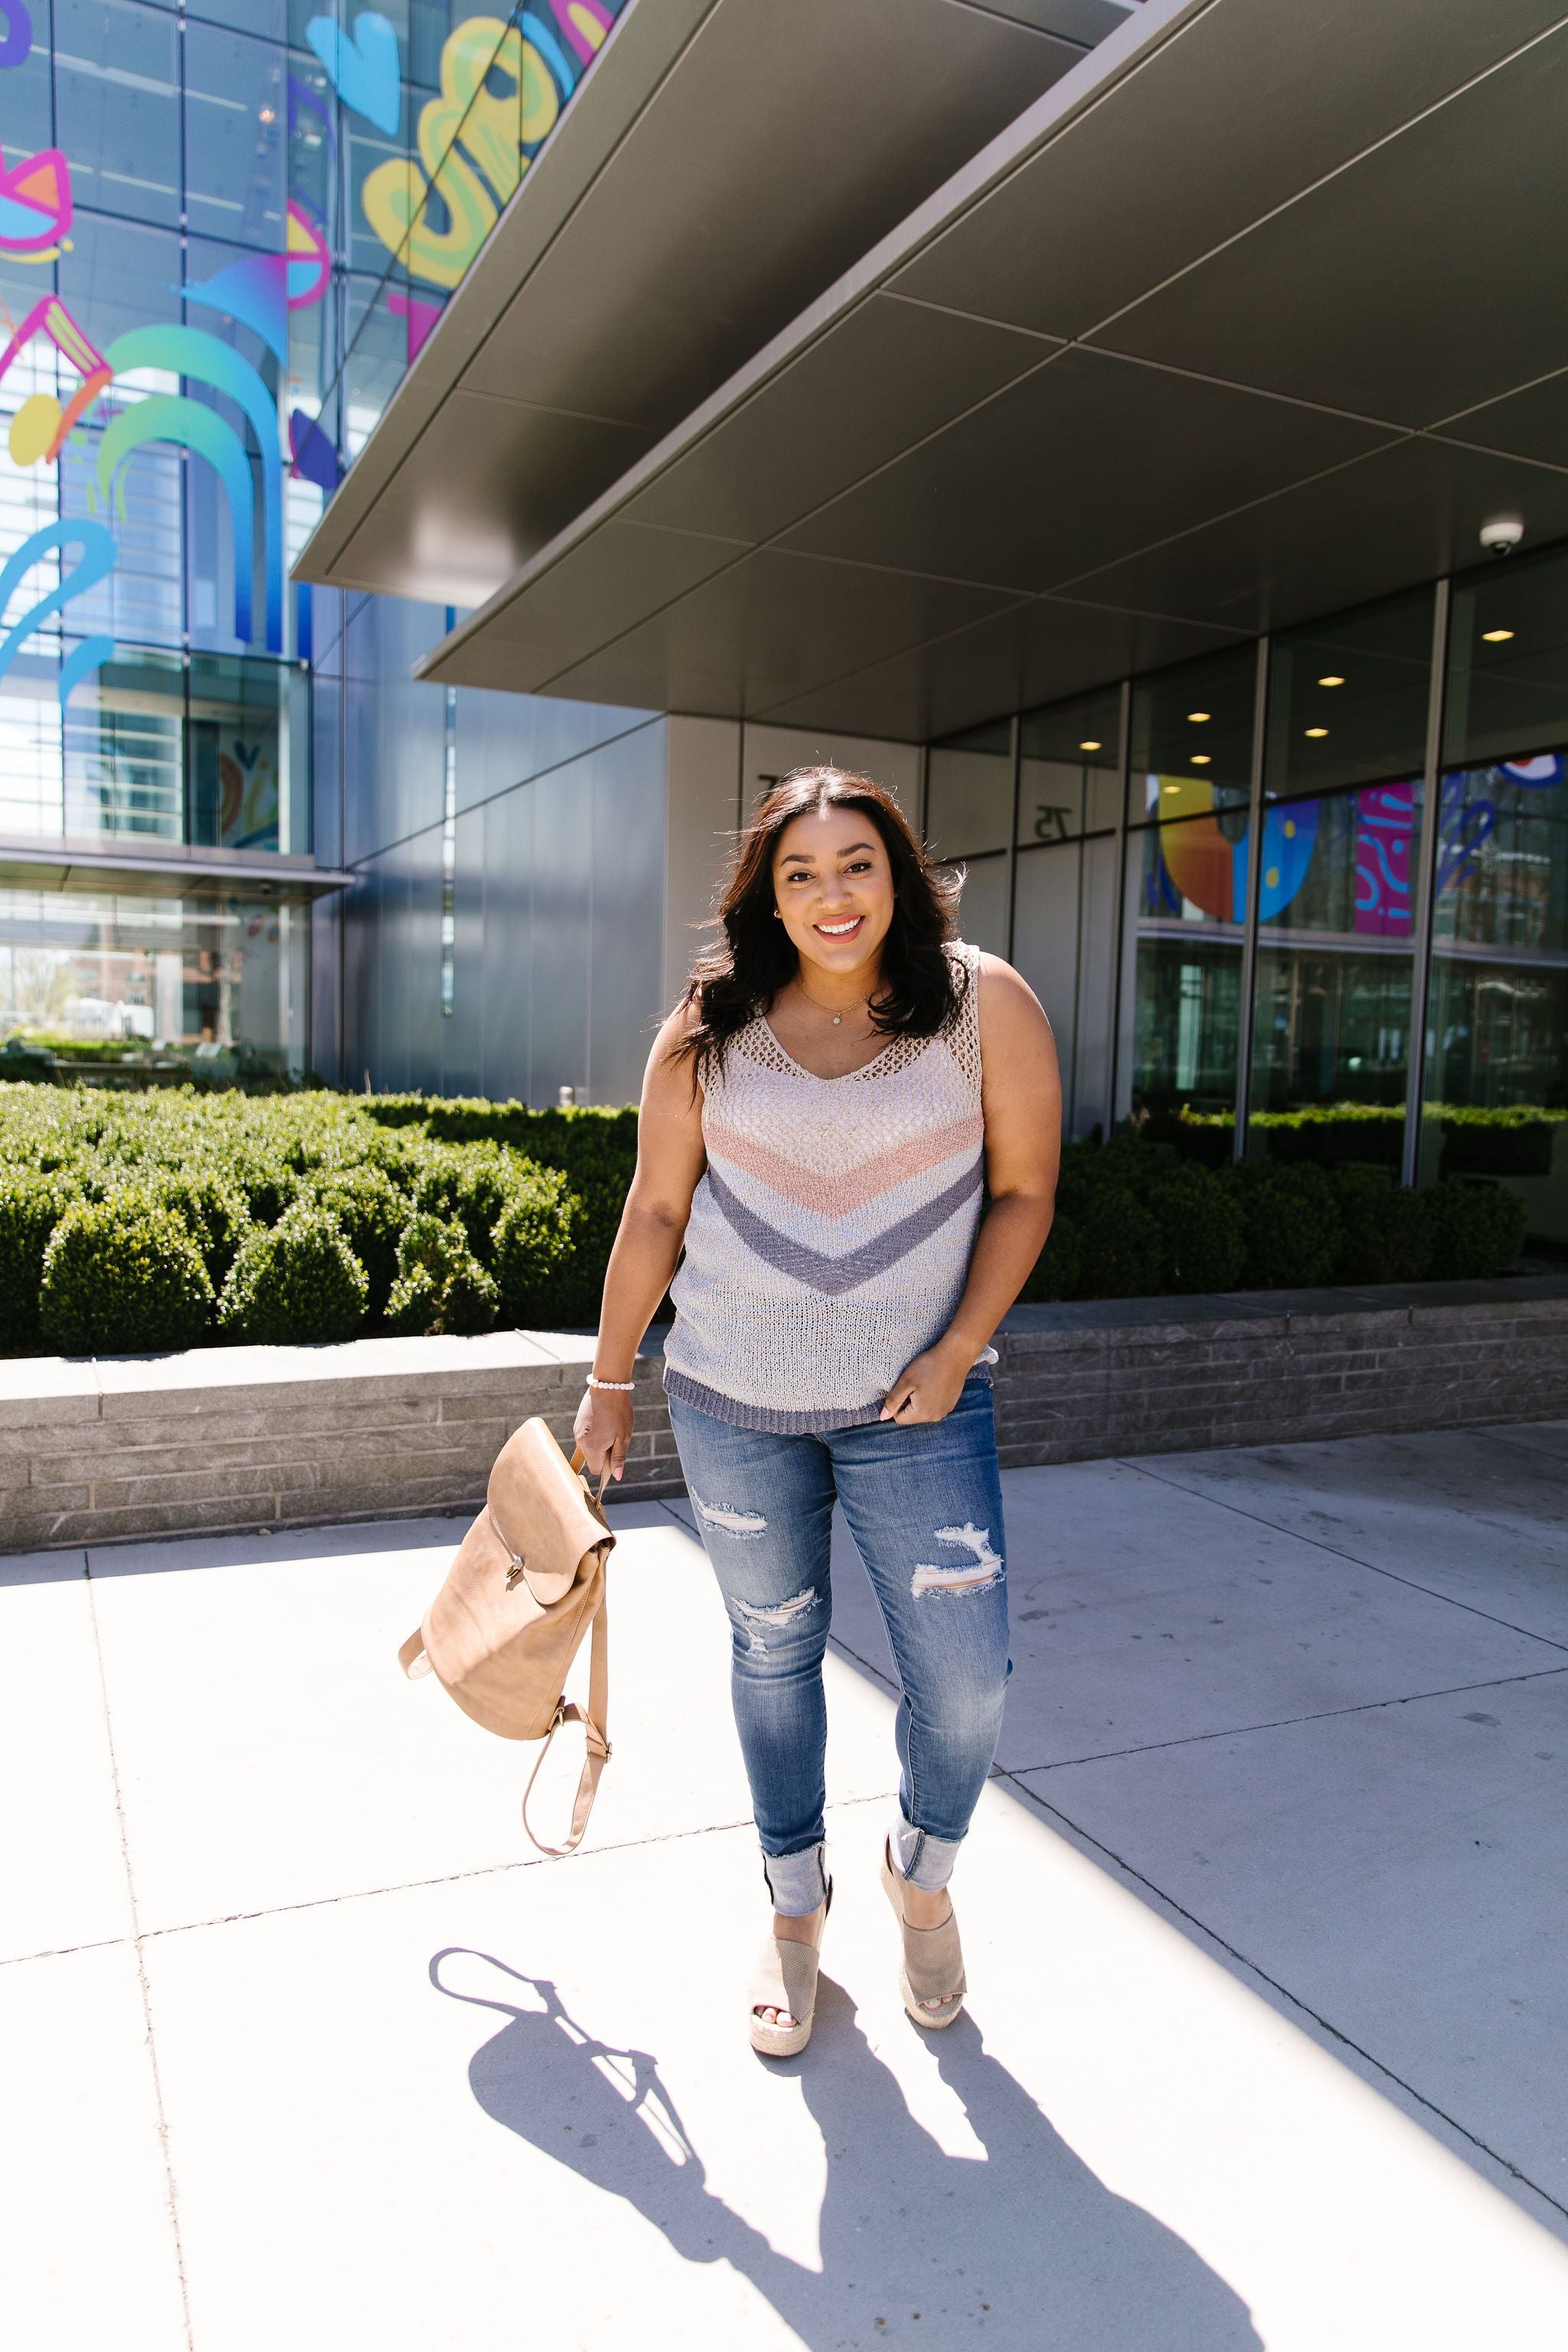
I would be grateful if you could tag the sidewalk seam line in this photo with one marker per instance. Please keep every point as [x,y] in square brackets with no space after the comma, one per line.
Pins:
[1285,1722]
[1140,1464]
[482,1870]
[136,1939]
[1305,2009]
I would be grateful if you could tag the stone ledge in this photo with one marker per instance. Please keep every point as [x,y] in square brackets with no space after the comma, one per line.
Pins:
[111,1450]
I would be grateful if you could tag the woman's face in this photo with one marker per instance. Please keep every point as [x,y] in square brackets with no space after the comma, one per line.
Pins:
[833,885]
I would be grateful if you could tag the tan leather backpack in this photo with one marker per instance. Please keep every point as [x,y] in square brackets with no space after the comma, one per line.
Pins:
[527,1583]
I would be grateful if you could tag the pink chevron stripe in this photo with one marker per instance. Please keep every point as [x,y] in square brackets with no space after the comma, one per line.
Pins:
[835,1196]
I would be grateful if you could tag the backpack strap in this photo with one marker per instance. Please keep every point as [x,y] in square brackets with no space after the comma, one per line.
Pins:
[595,1720]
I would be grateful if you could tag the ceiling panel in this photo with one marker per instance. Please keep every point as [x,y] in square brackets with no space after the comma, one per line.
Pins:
[605,585]
[1410,284]
[1247,103]
[1532,423]
[1395,518]
[1032,654]
[785,145]
[891,373]
[741,642]
[489,484]
[1086,459]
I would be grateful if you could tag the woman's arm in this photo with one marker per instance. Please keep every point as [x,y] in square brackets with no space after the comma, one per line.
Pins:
[669,1160]
[1021,1097]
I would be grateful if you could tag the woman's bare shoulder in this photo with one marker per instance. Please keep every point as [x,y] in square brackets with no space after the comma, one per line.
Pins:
[1006,999]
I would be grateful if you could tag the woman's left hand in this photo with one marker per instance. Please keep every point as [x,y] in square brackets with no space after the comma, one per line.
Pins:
[927,1389]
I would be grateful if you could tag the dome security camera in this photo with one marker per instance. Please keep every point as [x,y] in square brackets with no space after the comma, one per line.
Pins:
[1502,534]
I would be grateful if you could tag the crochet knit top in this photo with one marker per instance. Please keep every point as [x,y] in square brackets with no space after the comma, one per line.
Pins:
[830,1238]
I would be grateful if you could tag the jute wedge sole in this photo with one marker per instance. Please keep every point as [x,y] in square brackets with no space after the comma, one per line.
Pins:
[932,1968]
[785,1977]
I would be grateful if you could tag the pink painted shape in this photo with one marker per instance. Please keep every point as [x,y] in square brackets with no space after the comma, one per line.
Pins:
[43,183]
[835,1196]
[421,317]
[585,49]
[1384,819]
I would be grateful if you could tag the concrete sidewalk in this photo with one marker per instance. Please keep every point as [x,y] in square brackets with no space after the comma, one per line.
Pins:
[1264,1915]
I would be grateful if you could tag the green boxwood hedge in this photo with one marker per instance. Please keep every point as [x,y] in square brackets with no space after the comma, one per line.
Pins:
[179,1217]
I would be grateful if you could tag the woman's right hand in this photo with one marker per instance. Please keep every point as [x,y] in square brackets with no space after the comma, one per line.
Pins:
[604,1430]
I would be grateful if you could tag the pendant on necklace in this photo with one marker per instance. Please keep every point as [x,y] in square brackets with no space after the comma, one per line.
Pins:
[836,1019]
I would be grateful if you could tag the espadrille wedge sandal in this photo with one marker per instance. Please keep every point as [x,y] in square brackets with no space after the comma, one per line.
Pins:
[785,1977]
[932,1978]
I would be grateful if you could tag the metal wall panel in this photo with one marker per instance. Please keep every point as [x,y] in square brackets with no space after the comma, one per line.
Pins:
[626,980]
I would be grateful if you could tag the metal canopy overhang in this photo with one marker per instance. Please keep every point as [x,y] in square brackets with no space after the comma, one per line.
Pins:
[722,163]
[167,873]
[1242,322]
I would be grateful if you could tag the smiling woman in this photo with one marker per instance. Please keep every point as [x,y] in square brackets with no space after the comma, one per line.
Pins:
[852,1121]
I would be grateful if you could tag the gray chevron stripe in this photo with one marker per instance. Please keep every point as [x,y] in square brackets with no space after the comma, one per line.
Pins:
[836,1274]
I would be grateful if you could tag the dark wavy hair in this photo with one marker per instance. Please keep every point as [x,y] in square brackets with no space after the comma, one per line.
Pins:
[740,976]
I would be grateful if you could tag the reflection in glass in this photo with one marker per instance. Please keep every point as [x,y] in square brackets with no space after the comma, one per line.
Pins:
[1186,973]
[1191,727]
[1498,1019]
[125,768]
[1332,1010]
[1069,769]
[1347,698]
[969,792]
[1508,660]
[247,754]
[211,988]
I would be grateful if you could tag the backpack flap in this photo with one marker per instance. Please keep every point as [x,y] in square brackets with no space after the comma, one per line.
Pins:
[541,1510]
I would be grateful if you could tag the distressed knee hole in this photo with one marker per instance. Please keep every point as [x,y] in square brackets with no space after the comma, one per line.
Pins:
[780,1614]
[972,1575]
[728,1521]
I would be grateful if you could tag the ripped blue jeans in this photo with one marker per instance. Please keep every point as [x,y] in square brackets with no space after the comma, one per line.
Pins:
[925,1506]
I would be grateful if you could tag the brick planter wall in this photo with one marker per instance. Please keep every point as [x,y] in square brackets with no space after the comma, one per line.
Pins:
[244,1437]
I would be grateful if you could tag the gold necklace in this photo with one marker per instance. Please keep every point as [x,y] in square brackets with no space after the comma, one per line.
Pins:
[836,1018]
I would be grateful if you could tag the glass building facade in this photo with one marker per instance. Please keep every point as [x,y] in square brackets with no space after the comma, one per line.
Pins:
[224,230]
[1306,897]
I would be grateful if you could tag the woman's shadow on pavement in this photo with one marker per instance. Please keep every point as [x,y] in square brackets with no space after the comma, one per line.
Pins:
[1027,2243]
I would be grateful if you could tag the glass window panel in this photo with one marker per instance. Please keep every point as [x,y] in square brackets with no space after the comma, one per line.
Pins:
[1496,1035]
[247,754]
[266,18]
[124,776]
[1508,660]
[1186,972]
[377,358]
[983,910]
[218,986]
[31,800]
[235,136]
[1332,1023]
[1070,769]
[1348,698]
[1192,727]
[969,792]
[117,108]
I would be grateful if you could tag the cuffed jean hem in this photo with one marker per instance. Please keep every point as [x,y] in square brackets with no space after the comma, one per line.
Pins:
[797,1882]
[923,1861]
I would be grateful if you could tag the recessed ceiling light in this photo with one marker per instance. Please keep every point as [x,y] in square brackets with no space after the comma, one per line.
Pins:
[1496,637]
[1317,731]
[1197,717]
[1331,681]
[1170,788]
[1200,759]
[1091,745]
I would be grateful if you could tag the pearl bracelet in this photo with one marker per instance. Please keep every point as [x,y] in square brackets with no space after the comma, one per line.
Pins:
[626,1386]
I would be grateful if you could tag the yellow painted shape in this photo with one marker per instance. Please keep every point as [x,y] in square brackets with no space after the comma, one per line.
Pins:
[33,428]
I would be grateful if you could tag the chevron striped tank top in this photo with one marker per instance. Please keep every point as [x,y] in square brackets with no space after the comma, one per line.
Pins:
[830,1237]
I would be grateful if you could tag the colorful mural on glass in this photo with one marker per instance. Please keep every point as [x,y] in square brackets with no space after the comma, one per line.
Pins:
[1208,868]
[501,87]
